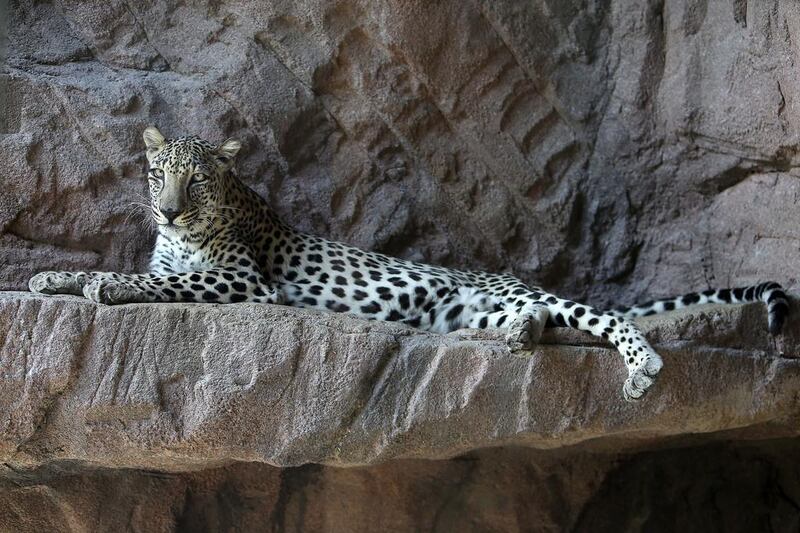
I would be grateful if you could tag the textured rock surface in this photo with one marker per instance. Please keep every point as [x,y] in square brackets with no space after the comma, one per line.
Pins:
[610,149]
[203,400]
[178,386]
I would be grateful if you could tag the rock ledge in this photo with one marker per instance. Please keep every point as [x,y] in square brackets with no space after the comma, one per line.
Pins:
[175,387]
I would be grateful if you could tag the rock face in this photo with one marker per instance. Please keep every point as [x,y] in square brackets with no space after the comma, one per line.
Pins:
[611,150]
[201,399]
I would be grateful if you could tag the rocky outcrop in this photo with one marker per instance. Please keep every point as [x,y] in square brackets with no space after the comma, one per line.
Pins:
[611,150]
[179,386]
[204,401]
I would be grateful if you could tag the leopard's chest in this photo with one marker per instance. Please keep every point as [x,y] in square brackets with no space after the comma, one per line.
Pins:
[182,257]
[194,260]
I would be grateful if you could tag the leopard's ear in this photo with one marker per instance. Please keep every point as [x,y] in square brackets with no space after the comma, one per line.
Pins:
[153,140]
[227,151]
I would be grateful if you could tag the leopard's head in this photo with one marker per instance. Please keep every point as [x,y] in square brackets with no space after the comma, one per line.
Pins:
[187,180]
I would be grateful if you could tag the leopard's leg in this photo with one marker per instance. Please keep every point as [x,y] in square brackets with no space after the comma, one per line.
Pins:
[466,307]
[69,282]
[62,282]
[523,327]
[472,307]
[641,360]
[218,285]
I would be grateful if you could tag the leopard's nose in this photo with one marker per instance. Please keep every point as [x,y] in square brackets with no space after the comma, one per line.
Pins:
[170,214]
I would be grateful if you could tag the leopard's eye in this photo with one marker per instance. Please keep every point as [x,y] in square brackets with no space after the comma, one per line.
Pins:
[198,179]
[156,173]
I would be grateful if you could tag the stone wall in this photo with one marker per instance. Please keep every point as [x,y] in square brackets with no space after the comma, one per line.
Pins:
[612,149]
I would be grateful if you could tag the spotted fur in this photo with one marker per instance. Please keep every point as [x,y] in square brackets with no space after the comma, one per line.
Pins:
[769,292]
[218,241]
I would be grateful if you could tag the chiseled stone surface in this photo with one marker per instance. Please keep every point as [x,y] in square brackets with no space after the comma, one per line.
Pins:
[177,386]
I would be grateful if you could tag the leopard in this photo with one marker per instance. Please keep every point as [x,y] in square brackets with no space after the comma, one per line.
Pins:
[219,242]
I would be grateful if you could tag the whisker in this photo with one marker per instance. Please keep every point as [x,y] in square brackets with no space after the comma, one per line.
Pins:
[129,215]
[135,208]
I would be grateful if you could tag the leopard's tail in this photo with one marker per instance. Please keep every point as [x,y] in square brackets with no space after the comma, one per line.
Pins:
[769,292]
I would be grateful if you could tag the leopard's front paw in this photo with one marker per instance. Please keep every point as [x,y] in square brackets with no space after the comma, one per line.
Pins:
[56,283]
[43,283]
[104,291]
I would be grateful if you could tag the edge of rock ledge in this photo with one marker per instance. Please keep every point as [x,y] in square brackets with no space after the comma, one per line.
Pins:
[185,386]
